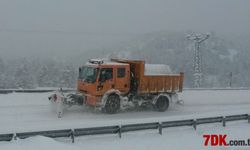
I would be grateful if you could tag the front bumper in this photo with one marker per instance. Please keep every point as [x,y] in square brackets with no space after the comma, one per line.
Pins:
[92,100]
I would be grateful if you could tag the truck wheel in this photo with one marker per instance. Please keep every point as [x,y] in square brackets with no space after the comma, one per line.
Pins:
[162,104]
[112,104]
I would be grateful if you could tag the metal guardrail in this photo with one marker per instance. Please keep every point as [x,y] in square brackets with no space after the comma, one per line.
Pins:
[6,91]
[119,129]
[96,130]
[209,120]
[237,117]
[137,127]
[6,137]
[52,133]
[215,89]
[178,123]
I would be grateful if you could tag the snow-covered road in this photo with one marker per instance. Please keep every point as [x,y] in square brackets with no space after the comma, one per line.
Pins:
[32,111]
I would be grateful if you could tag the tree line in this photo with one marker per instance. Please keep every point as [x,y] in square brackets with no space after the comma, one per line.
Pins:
[224,59]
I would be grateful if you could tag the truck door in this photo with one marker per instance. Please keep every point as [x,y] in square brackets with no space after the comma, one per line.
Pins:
[106,80]
[122,79]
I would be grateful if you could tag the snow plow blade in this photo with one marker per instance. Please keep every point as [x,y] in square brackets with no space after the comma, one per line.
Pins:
[60,101]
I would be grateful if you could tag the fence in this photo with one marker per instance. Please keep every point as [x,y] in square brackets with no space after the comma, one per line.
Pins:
[119,129]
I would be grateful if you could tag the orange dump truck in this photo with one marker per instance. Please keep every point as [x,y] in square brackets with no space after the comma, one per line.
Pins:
[115,84]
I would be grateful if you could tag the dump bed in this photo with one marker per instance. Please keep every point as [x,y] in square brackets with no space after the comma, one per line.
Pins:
[154,83]
[160,83]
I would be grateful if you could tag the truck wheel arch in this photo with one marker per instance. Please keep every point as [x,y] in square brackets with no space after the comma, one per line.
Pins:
[161,102]
[107,94]
[157,97]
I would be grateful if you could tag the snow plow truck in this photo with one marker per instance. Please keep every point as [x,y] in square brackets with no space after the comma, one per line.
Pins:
[119,83]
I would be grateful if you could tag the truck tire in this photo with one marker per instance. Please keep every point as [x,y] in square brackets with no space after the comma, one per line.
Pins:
[162,103]
[112,104]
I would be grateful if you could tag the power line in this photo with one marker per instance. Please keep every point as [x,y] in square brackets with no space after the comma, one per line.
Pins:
[197,64]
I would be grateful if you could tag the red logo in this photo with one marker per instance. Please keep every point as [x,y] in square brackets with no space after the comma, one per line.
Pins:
[215,140]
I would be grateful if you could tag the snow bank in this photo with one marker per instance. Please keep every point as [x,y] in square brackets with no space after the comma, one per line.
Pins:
[36,143]
[24,99]
[157,69]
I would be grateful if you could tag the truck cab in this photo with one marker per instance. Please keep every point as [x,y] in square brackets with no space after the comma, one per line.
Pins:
[97,77]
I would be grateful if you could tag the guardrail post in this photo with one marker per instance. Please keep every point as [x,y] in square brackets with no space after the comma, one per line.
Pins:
[120,131]
[224,122]
[160,128]
[194,124]
[72,136]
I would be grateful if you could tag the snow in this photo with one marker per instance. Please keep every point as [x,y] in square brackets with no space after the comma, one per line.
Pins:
[157,69]
[36,143]
[95,62]
[173,138]
[20,112]
[23,99]
[231,55]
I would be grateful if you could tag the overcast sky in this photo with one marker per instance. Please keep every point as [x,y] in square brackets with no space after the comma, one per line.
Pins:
[42,27]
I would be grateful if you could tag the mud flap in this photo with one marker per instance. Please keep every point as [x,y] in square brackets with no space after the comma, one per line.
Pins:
[180,102]
[175,99]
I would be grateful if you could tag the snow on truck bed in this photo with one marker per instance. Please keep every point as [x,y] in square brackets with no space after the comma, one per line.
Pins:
[157,69]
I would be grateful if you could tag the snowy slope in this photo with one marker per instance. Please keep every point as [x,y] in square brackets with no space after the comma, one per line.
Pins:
[21,112]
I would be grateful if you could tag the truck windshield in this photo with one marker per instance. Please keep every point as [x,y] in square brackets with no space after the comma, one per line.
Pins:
[88,74]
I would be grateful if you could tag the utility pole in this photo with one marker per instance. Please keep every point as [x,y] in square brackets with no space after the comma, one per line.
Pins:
[197,64]
[230,79]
